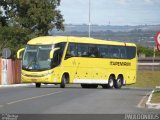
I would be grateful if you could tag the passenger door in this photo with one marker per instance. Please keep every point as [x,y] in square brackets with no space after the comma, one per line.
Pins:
[69,63]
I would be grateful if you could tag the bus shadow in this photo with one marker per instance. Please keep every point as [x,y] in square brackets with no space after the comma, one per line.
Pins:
[99,88]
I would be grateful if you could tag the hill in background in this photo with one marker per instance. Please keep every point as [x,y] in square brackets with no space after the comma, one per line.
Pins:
[142,34]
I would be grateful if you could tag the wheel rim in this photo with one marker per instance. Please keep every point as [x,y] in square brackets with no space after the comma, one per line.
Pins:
[111,83]
[119,83]
[64,80]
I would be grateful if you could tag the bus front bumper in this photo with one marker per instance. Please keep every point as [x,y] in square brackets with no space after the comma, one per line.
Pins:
[41,78]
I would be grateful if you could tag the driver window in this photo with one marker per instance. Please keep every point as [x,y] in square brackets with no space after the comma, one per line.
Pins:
[58,54]
[71,51]
[56,58]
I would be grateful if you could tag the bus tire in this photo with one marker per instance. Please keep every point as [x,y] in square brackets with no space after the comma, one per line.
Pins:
[110,83]
[38,85]
[84,85]
[118,83]
[63,81]
[93,86]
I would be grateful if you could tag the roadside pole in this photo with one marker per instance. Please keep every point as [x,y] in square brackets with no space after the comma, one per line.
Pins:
[154,55]
[6,53]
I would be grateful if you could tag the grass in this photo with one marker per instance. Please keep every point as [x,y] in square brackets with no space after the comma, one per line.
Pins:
[156,97]
[147,79]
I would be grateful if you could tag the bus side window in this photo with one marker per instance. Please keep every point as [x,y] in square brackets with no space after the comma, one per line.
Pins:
[71,50]
[123,52]
[93,51]
[61,46]
[131,52]
[114,52]
[58,54]
[82,50]
[56,58]
[103,51]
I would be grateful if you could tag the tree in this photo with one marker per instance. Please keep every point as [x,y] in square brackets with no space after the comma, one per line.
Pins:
[3,18]
[37,16]
[13,38]
[21,20]
[3,21]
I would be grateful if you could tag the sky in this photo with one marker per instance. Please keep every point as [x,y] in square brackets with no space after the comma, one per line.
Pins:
[111,12]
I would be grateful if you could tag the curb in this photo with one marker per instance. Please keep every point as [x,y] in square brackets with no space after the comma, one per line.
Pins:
[15,85]
[152,105]
[22,85]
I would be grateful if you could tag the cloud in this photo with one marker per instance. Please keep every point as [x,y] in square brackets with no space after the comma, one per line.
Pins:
[123,2]
[116,11]
[149,2]
[152,1]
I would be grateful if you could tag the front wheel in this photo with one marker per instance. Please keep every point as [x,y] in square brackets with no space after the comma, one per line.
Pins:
[38,85]
[63,81]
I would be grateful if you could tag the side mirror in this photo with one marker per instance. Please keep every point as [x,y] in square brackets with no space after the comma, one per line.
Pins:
[52,52]
[20,52]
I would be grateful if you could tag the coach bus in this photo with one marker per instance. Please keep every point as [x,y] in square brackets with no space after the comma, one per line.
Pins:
[78,60]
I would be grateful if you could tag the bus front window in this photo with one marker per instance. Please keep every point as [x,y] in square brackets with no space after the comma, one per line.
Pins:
[36,57]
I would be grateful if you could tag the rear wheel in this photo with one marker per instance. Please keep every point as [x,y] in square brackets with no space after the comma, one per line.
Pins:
[118,83]
[38,85]
[110,83]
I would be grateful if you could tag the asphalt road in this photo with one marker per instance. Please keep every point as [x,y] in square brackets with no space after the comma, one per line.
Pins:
[72,100]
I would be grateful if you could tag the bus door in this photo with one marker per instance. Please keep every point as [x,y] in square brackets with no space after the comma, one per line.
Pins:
[70,63]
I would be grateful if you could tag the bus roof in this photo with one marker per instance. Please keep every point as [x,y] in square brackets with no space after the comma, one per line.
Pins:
[46,40]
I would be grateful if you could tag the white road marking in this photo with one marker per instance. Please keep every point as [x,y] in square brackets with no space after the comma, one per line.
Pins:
[35,97]
[142,100]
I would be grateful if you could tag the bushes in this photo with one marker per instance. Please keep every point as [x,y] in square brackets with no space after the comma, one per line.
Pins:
[147,51]
[21,20]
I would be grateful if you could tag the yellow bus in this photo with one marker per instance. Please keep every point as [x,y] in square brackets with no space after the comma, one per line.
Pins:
[78,60]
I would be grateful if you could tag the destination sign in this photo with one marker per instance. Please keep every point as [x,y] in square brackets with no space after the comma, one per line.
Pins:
[120,63]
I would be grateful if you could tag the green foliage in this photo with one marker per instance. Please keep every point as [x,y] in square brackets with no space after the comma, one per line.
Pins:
[26,19]
[38,16]
[143,50]
[3,19]
[13,38]
[157,53]
[147,51]
[147,79]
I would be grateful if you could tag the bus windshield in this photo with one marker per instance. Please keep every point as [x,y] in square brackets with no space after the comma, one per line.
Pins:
[36,57]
